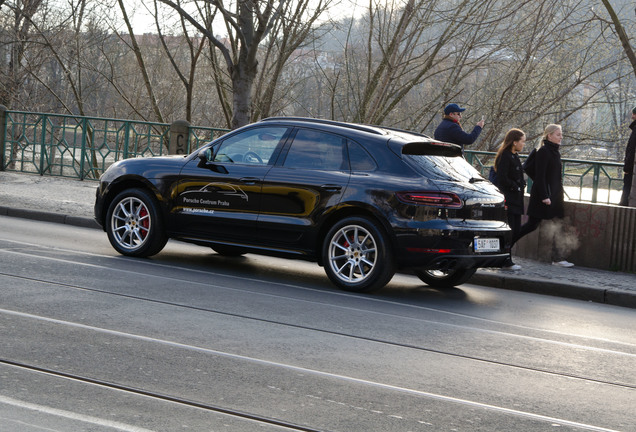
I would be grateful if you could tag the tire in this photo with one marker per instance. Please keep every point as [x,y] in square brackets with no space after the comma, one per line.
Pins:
[229,251]
[445,278]
[134,224]
[356,255]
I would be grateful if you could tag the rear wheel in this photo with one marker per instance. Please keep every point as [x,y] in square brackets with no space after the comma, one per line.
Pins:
[134,225]
[445,278]
[356,255]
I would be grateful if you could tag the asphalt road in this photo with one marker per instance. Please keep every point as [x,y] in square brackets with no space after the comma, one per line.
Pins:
[190,340]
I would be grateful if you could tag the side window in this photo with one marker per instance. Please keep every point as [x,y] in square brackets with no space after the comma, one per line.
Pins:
[253,146]
[316,150]
[359,159]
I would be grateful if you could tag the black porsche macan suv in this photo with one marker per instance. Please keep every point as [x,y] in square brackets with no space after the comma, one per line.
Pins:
[362,201]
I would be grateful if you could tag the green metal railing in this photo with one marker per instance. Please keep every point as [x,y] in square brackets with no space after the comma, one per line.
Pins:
[83,147]
[586,181]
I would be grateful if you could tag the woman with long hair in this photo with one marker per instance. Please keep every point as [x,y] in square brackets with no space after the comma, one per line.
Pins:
[547,195]
[511,183]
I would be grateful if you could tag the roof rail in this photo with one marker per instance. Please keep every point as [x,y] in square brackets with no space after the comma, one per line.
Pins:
[365,128]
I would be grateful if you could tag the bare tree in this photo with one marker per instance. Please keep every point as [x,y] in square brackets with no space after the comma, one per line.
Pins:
[195,48]
[140,61]
[416,53]
[528,83]
[248,25]
[17,26]
[402,62]
[621,33]
[294,29]
[398,64]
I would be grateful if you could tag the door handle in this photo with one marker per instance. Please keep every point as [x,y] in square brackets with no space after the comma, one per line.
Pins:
[249,180]
[331,187]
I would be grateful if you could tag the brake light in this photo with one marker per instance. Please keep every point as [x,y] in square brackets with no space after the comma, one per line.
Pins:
[437,199]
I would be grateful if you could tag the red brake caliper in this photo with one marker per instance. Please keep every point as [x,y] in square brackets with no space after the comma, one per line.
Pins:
[144,221]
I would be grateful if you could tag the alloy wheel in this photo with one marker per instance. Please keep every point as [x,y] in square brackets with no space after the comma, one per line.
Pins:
[352,253]
[130,223]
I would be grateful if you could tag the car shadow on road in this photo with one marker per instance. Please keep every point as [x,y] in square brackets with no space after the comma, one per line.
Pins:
[415,290]
[303,274]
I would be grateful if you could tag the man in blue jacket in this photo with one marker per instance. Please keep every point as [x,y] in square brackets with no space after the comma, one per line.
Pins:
[450,129]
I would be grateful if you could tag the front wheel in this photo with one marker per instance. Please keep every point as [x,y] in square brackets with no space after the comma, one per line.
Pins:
[134,224]
[356,255]
[445,278]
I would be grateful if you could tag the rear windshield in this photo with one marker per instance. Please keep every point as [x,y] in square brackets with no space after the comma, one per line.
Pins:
[450,168]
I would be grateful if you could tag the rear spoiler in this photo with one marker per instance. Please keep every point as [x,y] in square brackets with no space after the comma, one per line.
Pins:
[426,148]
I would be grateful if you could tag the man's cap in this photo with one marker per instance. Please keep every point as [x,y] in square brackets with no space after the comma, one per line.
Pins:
[634,110]
[451,108]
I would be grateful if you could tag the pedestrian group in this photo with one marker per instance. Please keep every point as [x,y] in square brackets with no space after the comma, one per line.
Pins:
[546,194]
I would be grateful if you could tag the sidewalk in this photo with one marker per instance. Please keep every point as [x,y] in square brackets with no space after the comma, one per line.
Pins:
[70,201]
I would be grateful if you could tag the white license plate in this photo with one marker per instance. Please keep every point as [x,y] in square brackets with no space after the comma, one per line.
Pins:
[487,245]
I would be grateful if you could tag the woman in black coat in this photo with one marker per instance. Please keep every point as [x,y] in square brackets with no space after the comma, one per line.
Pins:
[546,195]
[510,182]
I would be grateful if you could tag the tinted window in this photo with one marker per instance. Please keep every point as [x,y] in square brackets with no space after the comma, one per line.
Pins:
[316,150]
[252,146]
[443,167]
[359,159]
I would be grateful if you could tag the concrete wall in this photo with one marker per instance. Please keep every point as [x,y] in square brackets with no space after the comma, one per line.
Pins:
[593,235]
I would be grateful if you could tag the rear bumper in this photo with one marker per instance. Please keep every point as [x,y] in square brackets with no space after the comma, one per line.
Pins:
[451,248]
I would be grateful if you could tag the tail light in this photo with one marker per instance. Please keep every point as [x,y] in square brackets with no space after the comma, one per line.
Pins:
[437,199]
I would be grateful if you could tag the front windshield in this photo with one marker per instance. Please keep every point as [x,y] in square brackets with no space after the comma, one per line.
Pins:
[445,168]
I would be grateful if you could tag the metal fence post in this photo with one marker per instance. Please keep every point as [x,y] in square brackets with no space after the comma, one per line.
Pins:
[3,130]
[83,149]
[595,179]
[126,140]
[44,119]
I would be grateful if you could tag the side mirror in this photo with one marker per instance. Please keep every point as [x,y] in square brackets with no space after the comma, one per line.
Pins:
[205,156]
[206,160]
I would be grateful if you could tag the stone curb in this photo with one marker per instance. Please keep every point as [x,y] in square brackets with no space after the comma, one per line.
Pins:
[611,296]
[79,221]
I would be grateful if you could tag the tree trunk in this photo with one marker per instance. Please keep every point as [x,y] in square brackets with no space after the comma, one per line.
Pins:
[620,31]
[243,76]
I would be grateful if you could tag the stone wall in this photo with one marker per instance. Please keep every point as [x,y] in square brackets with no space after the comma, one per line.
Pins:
[592,235]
